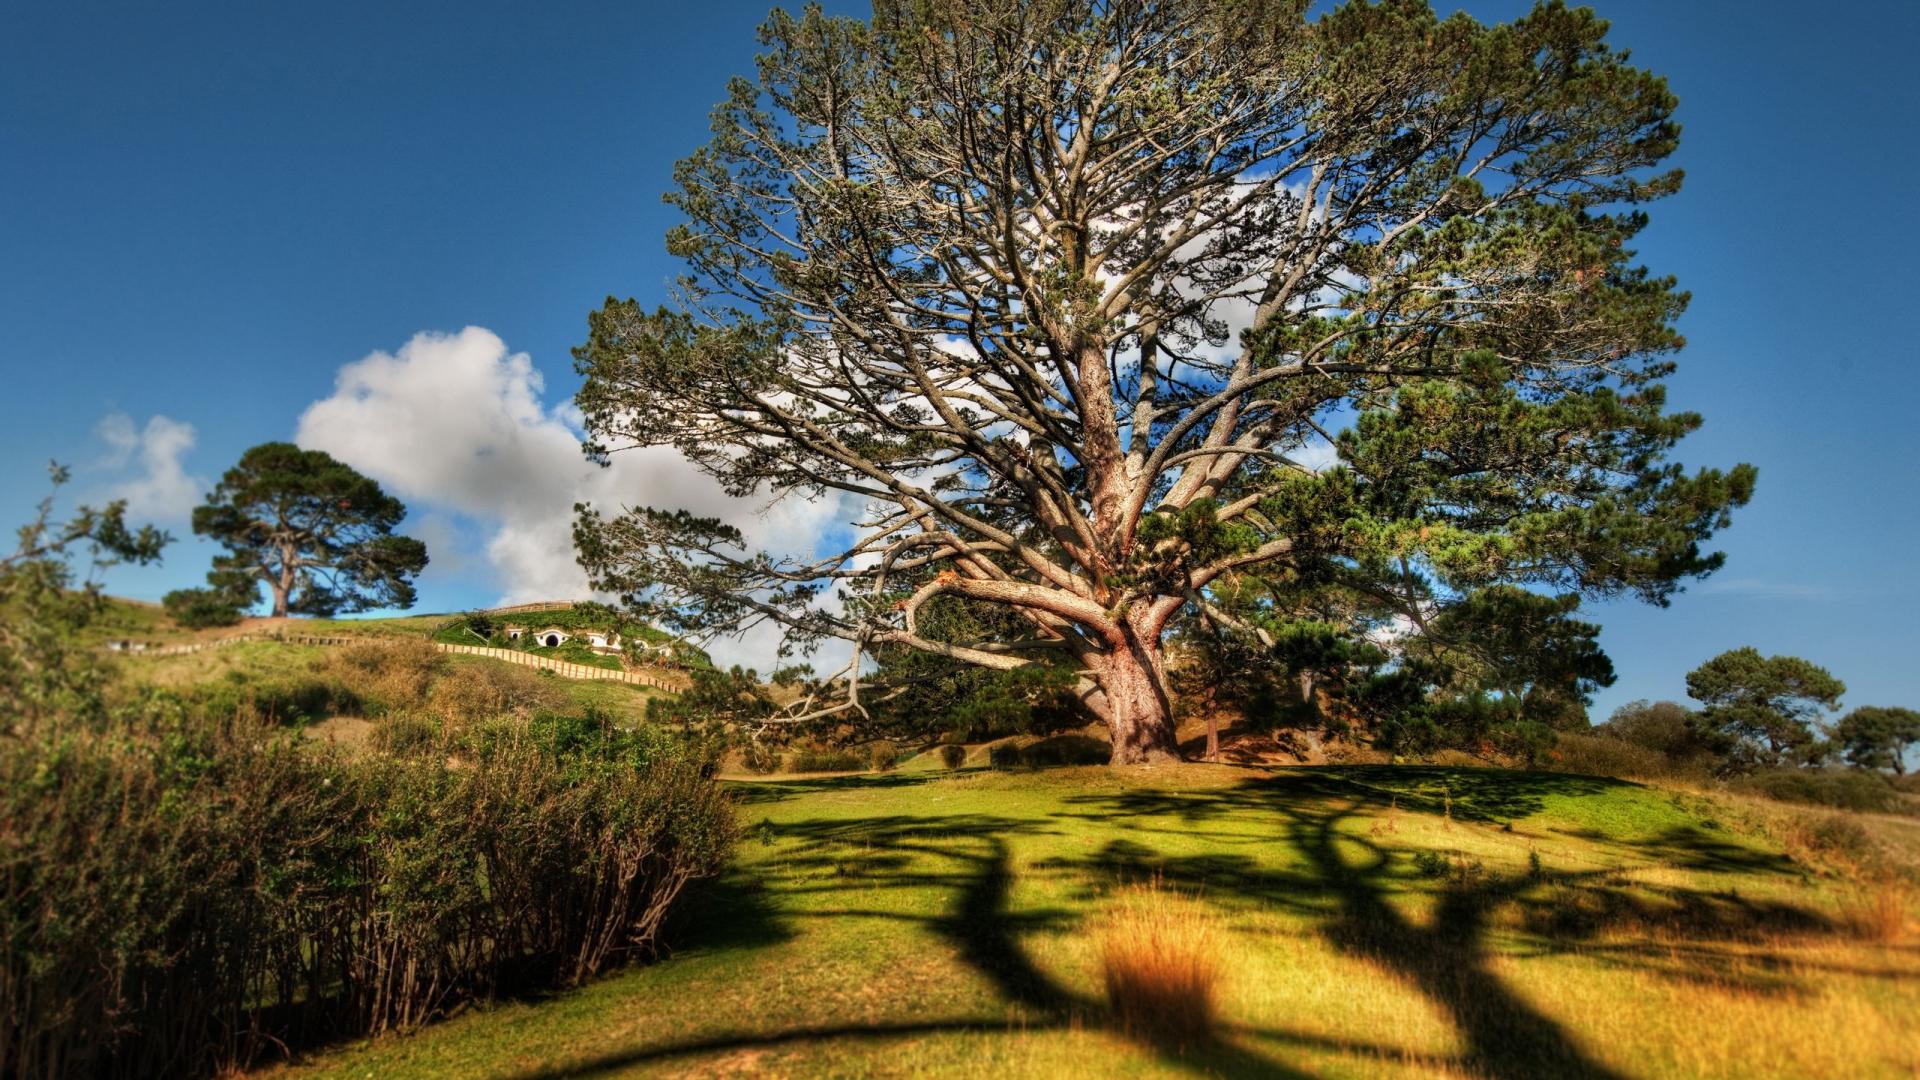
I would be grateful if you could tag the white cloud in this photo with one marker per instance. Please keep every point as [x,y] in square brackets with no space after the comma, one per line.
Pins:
[1760,587]
[161,490]
[455,424]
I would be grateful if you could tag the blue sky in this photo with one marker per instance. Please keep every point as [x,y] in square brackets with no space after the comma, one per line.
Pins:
[207,211]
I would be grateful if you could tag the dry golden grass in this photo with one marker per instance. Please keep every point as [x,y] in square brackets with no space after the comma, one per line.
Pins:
[1161,961]
[397,673]
[480,691]
[1881,911]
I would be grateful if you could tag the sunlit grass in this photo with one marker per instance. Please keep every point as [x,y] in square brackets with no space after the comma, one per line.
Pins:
[961,925]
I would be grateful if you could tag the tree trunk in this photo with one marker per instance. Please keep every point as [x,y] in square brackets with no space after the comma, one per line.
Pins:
[1139,713]
[283,587]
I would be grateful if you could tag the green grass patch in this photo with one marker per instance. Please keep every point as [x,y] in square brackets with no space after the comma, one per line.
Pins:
[1372,921]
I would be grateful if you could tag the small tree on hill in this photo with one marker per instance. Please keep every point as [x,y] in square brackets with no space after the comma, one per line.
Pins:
[315,531]
[1878,737]
[1766,703]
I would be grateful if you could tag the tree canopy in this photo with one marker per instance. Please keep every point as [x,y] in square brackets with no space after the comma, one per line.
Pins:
[1092,309]
[1768,703]
[315,531]
[1878,737]
[1523,647]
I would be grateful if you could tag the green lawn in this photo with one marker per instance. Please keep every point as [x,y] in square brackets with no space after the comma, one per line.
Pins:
[915,924]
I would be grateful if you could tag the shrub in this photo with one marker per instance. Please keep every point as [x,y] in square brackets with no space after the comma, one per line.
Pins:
[199,609]
[388,675]
[1066,750]
[183,891]
[1664,727]
[471,692]
[881,756]
[1596,755]
[1843,789]
[953,755]
[1004,755]
[760,758]
[821,760]
[1161,963]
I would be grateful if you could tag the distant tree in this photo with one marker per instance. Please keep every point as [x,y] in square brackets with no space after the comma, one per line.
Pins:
[1767,703]
[1878,737]
[1060,292]
[316,532]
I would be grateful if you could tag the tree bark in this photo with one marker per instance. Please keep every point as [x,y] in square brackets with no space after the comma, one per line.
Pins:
[282,587]
[1139,712]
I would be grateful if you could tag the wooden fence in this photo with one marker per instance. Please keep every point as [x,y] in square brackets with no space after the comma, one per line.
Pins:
[541,605]
[564,668]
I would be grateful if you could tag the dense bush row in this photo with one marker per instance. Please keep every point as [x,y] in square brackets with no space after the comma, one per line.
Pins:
[1665,741]
[183,889]
[1046,753]
[879,756]
[1842,789]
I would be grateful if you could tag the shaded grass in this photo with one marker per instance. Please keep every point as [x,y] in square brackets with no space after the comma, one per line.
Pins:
[919,923]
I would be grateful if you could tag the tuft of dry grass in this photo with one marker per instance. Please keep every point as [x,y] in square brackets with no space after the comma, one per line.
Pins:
[1161,962]
[1881,911]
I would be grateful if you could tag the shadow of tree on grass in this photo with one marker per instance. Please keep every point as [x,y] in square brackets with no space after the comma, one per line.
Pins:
[1343,881]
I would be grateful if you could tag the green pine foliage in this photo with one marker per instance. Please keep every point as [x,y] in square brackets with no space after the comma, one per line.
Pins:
[1765,705]
[318,534]
[1425,224]
[1878,737]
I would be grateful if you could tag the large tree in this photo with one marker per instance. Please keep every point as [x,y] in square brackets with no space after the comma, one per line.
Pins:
[1765,703]
[315,531]
[1066,295]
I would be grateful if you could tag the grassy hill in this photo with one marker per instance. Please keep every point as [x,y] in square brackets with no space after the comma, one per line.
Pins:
[140,621]
[1366,921]
[268,664]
